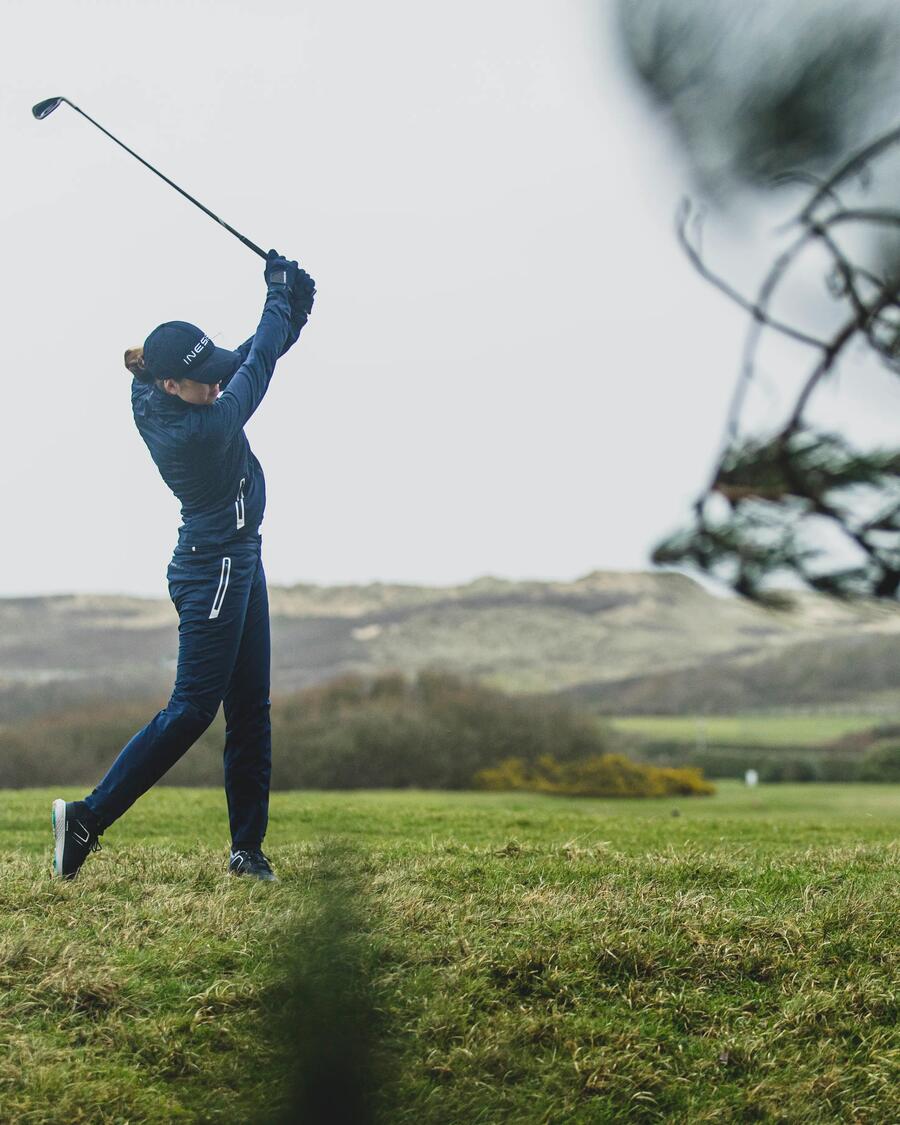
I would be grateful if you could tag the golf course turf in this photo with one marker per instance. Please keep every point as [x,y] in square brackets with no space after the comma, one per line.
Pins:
[508,957]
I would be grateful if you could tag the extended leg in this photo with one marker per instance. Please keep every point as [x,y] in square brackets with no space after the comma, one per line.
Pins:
[248,734]
[209,630]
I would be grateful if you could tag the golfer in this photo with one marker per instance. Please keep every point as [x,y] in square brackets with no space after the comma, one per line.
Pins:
[190,401]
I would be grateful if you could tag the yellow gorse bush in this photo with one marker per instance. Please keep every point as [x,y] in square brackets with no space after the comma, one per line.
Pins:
[604,775]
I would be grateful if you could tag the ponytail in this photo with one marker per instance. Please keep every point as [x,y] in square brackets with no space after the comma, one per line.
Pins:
[134,361]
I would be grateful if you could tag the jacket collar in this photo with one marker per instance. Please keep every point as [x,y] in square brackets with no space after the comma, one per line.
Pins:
[162,403]
[147,398]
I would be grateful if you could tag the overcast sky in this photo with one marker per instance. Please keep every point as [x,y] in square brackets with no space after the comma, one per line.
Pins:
[510,370]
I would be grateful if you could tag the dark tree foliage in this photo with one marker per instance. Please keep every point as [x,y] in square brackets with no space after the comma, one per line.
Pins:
[779,491]
[751,91]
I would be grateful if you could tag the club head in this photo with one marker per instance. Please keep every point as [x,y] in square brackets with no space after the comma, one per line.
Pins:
[45,108]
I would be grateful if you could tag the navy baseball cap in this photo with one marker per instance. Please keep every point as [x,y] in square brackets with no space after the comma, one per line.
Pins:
[178,350]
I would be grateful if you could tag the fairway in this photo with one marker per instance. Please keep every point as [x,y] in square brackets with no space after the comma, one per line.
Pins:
[531,959]
[749,730]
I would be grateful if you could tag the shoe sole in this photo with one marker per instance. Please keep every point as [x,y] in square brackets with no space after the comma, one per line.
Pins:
[259,878]
[58,815]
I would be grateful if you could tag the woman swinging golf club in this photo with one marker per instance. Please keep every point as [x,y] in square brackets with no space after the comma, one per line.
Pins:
[195,435]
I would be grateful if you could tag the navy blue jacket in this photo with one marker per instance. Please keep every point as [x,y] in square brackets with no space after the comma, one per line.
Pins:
[202,452]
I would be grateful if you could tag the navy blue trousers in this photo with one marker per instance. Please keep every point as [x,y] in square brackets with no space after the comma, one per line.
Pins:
[223,656]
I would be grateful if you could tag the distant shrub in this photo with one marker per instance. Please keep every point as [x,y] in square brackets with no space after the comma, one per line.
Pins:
[785,768]
[885,731]
[837,767]
[774,763]
[881,763]
[16,769]
[603,775]
[433,732]
[70,748]
[713,761]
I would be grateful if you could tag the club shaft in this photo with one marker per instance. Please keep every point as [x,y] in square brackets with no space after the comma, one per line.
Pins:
[237,234]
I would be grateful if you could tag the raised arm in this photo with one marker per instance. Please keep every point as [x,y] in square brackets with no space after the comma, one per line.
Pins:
[246,388]
[302,296]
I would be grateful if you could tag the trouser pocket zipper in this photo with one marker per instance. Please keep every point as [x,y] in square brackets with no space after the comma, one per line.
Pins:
[223,587]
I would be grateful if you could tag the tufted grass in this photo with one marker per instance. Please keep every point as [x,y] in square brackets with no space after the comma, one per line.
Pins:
[459,958]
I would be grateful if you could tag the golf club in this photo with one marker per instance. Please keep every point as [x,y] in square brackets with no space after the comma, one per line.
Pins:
[45,108]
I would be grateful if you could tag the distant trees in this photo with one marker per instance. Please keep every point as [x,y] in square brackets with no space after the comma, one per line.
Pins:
[867,756]
[881,763]
[433,732]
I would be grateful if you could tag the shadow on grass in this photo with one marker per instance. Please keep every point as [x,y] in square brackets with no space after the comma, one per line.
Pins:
[328,1026]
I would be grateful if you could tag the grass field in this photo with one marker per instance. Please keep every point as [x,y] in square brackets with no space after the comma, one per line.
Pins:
[522,959]
[748,730]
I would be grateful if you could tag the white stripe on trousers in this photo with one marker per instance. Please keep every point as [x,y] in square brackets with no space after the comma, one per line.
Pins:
[220,593]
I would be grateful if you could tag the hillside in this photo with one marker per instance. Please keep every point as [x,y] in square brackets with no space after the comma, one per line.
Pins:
[622,641]
[861,669]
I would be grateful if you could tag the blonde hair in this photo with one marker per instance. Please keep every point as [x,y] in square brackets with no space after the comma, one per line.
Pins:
[134,361]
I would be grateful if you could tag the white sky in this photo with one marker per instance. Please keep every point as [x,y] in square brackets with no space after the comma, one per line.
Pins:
[511,369]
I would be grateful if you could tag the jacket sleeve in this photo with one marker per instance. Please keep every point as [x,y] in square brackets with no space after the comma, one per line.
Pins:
[298,319]
[243,351]
[246,388]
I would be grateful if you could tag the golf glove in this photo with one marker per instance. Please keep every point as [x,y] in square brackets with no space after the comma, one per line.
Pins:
[280,273]
[303,294]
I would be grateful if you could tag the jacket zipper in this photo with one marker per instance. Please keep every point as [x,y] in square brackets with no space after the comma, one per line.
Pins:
[239,505]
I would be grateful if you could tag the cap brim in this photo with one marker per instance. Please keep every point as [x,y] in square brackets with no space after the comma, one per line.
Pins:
[218,367]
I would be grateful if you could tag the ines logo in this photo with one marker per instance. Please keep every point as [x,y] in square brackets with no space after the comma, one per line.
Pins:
[197,349]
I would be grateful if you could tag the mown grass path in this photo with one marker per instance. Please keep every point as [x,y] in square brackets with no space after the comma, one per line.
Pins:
[749,730]
[529,959]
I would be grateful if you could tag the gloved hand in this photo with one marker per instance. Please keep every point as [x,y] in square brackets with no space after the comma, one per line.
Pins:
[302,296]
[303,293]
[280,274]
